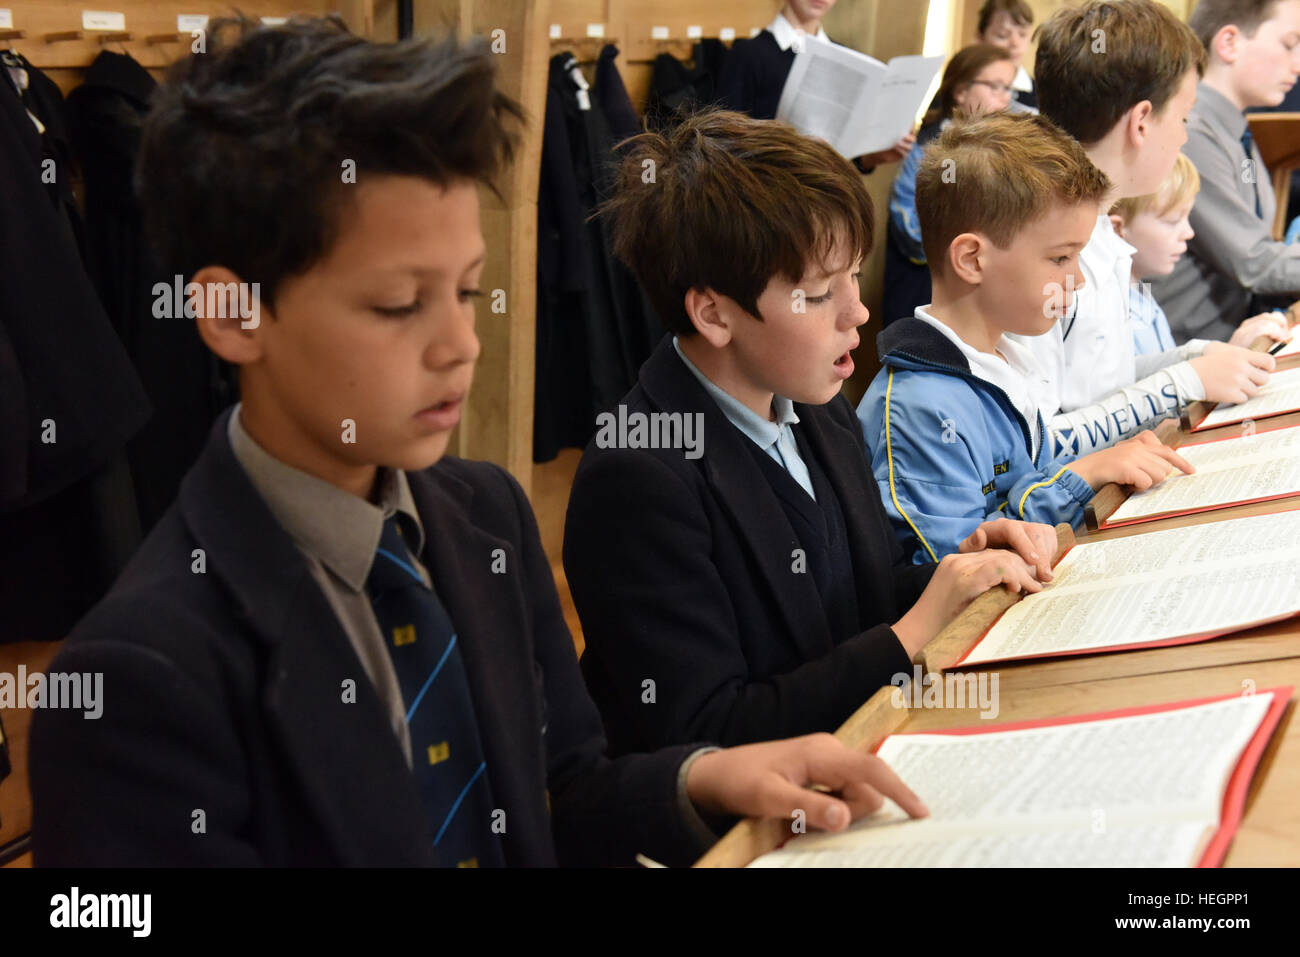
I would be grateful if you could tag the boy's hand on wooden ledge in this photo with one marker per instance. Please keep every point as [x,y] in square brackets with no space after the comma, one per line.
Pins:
[1032,541]
[959,580]
[1139,462]
[772,780]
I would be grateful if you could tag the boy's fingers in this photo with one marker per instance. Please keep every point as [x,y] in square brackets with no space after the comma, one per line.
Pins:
[1172,457]
[861,798]
[975,541]
[839,767]
[1258,374]
[1261,360]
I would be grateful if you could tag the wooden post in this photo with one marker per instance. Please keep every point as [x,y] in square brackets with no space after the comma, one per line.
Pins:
[498,422]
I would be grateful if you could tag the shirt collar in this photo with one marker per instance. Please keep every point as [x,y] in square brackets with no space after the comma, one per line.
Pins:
[1022,80]
[785,32]
[759,430]
[1105,247]
[1217,109]
[333,526]
[1017,357]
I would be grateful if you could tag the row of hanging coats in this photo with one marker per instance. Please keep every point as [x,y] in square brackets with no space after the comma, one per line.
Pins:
[595,327]
[102,406]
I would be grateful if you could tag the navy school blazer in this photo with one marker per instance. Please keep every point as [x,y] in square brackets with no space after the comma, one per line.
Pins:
[683,575]
[222,692]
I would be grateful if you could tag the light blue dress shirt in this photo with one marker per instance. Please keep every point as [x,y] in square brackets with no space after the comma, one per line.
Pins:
[774,438]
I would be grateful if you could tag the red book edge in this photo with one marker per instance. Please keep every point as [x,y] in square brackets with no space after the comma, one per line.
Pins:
[1234,795]
[1201,426]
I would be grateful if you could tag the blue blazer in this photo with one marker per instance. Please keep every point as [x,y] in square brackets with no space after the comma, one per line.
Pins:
[222,692]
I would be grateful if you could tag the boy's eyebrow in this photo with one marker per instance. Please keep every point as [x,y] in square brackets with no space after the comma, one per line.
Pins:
[416,270]
[820,273]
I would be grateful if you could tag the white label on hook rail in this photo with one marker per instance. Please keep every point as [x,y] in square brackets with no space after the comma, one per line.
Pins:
[727,34]
[694,33]
[6,19]
[556,32]
[274,21]
[189,22]
[595,30]
[658,33]
[103,20]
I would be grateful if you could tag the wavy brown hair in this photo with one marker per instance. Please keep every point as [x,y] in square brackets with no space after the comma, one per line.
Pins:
[726,202]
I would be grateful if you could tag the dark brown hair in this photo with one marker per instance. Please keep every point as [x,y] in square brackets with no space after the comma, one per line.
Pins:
[1018,10]
[1098,60]
[994,175]
[243,151]
[726,202]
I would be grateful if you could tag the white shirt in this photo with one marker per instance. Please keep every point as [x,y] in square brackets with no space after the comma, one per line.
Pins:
[787,34]
[1016,372]
[1022,81]
[1089,354]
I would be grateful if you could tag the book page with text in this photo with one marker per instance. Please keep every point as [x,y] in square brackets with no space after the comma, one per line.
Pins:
[827,91]
[1253,466]
[1135,790]
[1173,583]
[1280,394]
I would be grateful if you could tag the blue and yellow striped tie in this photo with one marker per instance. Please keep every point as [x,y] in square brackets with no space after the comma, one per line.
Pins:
[447,756]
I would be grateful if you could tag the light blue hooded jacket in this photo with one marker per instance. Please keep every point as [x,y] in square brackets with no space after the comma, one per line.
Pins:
[950,451]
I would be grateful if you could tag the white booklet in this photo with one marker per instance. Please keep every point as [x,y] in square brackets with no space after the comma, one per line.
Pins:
[1165,587]
[853,101]
[1151,787]
[1253,467]
[1280,394]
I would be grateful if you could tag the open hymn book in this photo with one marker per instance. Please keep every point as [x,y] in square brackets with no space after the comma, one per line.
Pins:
[1161,786]
[1253,467]
[1166,587]
[853,101]
[1280,394]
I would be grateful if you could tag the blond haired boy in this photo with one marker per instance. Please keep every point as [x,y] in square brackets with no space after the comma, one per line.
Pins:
[1158,227]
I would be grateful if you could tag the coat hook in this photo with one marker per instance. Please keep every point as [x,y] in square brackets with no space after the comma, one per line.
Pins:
[62,35]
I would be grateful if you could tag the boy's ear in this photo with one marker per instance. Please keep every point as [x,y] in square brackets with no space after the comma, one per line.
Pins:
[709,316]
[229,327]
[964,258]
[1136,120]
[1226,43]
[1117,221]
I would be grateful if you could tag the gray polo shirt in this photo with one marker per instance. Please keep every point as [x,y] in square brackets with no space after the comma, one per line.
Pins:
[337,534]
[1233,254]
